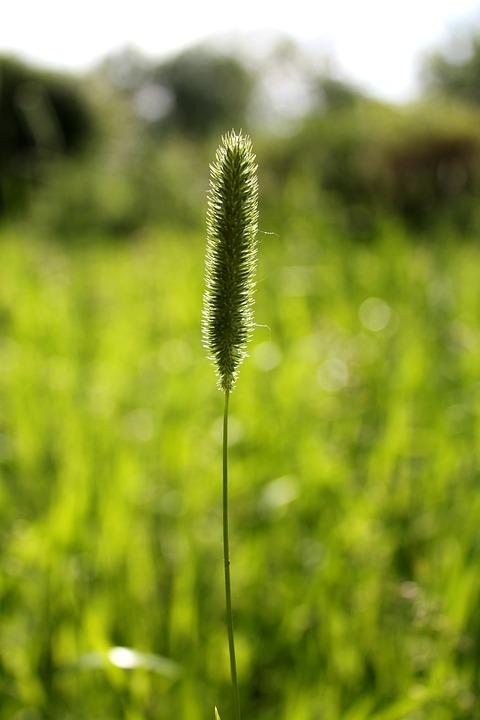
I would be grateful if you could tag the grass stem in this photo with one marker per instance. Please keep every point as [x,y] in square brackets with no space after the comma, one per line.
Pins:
[226,557]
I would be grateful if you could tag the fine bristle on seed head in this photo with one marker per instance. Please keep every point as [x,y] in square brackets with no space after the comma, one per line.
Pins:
[231,259]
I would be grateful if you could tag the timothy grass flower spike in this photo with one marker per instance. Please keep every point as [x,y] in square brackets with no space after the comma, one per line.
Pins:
[231,259]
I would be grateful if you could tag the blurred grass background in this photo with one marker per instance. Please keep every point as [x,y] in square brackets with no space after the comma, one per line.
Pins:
[354,449]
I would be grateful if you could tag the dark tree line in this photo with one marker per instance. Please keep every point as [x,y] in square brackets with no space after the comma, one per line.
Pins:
[367,157]
[42,116]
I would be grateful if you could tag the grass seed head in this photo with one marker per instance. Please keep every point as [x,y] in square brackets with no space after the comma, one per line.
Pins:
[232,222]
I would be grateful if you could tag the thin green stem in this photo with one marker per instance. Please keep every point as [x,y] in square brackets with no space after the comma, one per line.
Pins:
[226,557]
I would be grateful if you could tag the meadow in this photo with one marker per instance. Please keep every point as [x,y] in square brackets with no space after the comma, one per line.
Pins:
[355,512]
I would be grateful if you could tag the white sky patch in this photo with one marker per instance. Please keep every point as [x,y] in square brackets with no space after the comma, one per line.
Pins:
[375,42]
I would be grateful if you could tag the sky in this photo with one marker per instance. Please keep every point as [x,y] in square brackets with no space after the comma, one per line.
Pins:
[377,43]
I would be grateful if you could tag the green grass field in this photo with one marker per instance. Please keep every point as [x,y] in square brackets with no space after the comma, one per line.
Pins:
[355,503]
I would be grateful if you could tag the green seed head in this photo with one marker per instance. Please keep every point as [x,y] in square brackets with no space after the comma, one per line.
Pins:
[232,221]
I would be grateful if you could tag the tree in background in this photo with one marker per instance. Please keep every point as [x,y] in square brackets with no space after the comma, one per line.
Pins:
[42,116]
[208,90]
[455,70]
[195,93]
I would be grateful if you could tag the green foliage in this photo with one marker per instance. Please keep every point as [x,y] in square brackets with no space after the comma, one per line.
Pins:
[195,93]
[367,161]
[118,193]
[354,442]
[231,258]
[350,160]
[459,78]
[209,90]
[352,167]
[333,94]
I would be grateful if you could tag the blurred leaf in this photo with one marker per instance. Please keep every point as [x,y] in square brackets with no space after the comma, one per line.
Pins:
[129,659]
